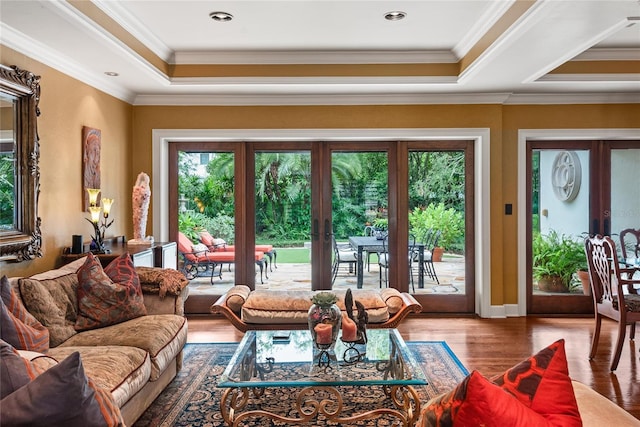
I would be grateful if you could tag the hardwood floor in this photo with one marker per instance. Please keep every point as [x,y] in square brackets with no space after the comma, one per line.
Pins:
[494,345]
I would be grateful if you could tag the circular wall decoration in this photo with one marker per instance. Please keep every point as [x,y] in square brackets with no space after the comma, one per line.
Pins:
[566,175]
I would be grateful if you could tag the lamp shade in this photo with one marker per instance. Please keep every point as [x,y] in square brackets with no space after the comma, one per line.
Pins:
[93,196]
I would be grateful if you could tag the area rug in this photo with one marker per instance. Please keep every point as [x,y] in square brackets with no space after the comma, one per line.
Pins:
[192,398]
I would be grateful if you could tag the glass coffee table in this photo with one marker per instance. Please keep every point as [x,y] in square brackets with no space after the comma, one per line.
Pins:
[317,378]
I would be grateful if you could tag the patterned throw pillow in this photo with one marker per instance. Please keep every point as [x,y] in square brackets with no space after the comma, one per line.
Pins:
[59,396]
[538,392]
[542,383]
[109,296]
[199,248]
[17,326]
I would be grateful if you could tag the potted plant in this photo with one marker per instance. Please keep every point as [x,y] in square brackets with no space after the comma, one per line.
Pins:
[556,260]
[449,221]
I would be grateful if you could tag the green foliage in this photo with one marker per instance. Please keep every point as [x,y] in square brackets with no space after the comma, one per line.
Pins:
[324,299]
[220,227]
[381,224]
[283,193]
[7,195]
[556,254]
[437,217]
[191,224]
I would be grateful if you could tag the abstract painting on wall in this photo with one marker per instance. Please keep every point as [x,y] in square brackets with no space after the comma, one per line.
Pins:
[91,162]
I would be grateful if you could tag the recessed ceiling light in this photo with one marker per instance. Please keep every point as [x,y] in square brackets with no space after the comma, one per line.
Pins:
[221,16]
[111,73]
[395,15]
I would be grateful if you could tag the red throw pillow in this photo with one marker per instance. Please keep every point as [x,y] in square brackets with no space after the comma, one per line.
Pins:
[109,296]
[17,326]
[542,383]
[538,392]
[478,402]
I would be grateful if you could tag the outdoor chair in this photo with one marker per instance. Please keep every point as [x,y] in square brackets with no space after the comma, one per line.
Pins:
[342,255]
[613,296]
[431,239]
[368,231]
[198,260]
[384,260]
[220,245]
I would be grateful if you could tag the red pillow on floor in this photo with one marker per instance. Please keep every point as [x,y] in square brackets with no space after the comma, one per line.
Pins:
[542,383]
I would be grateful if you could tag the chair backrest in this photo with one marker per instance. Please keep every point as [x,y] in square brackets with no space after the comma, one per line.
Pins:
[604,271]
[630,243]
[185,247]
[206,238]
[368,230]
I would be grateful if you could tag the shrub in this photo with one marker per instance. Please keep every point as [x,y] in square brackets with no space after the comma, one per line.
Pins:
[448,221]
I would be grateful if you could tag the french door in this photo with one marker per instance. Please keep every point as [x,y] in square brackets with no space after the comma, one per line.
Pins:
[576,188]
[334,205]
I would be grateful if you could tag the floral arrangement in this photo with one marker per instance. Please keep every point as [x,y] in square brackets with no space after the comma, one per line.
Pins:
[324,299]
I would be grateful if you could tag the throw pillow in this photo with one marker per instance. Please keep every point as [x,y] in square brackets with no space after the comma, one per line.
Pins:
[61,396]
[109,296]
[200,247]
[16,370]
[54,303]
[17,326]
[478,402]
[542,383]
[486,404]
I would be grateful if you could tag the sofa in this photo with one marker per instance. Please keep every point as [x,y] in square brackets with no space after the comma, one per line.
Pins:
[272,309]
[134,359]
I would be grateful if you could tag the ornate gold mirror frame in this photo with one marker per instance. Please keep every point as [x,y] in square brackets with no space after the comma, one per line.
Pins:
[20,90]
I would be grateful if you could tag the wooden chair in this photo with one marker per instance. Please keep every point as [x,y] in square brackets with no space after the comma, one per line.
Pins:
[613,296]
[630,243]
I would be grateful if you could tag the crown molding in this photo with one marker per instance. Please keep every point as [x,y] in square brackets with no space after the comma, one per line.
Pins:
[27,46]
[315,57]
[609,54]
[134,27]
[572,98]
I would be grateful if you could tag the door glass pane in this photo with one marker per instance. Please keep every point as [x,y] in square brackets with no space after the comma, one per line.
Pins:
[206,215]
[359,202]
[283,216]
[560,220]
[625,194]
[437,221]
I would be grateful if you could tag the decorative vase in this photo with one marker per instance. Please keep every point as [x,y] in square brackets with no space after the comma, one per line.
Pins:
[324,325]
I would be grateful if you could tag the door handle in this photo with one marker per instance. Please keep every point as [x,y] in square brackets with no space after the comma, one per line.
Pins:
[316,230]
[607,227]
[327,232]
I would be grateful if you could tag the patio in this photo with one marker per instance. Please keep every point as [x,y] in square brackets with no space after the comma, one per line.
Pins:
[451,273]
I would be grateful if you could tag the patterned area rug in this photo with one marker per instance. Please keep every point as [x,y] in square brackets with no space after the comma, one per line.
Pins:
[192,399]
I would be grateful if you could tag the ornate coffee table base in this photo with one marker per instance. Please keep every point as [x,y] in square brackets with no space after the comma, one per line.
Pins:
[404,397]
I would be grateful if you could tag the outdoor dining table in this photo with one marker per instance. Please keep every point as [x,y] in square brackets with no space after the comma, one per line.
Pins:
[373,244]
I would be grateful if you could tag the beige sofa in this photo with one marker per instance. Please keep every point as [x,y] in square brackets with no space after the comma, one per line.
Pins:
[596,410]
[268,309]
[135,360]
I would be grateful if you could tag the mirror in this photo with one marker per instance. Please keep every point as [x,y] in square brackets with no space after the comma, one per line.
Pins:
[20,236]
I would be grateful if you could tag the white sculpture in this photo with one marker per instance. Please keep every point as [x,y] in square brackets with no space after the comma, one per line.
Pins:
[140,198]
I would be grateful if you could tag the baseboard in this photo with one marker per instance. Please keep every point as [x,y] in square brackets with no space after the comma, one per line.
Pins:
[504,311]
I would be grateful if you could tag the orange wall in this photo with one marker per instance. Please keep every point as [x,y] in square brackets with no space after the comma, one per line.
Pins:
[66,105]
